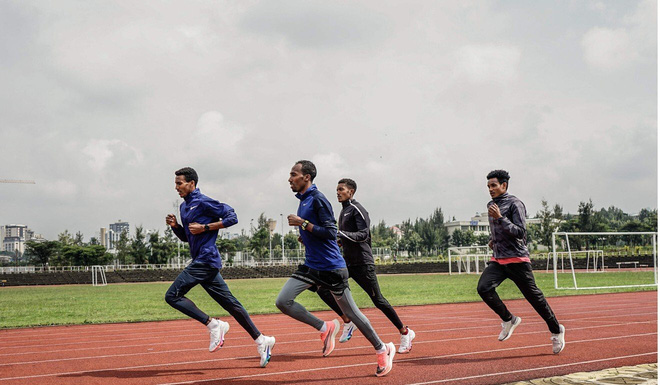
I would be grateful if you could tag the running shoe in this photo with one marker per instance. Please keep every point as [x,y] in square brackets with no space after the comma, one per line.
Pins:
[328,337]
[347,333]
[217,329]
[558,340]
[264,350]
[385,360]
[508,328]
[406,341]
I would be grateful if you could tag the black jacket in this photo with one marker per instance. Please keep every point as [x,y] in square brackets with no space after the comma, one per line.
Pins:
[508,233]
[354,233]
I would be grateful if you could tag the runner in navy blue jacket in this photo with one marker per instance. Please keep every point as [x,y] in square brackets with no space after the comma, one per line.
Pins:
[324,267]
[201,219]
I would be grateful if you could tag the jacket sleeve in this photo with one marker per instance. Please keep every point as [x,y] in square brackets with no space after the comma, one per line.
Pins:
[327,226]
[180,233]
[363,225]
[515,227]
[222,211]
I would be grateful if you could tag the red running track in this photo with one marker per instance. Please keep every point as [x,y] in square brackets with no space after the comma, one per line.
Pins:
[456,343]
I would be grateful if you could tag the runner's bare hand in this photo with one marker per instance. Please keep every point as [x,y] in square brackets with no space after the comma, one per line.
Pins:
[170,220]
[196,228]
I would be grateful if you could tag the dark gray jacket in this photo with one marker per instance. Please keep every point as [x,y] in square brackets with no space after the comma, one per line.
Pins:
[354,233]
[508,233]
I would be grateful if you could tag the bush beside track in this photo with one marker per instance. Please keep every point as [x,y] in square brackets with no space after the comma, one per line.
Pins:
[242,272]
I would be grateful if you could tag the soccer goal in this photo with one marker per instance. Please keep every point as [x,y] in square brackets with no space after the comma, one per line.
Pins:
[577,255]
[98,276]
[468,258]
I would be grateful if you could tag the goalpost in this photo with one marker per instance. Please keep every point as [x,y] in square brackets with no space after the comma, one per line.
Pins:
[468,256]
[617,247]
[98,272]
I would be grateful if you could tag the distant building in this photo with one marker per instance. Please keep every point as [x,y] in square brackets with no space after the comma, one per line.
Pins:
[13,238]
[109,238]
[478,224]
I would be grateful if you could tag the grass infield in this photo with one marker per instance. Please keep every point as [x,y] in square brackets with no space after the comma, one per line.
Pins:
[80,304]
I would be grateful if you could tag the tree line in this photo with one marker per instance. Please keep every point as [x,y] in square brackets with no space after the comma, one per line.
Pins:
[422,236]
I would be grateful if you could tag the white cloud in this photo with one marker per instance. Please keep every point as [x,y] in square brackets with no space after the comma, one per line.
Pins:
[101,152]
[214,135]
[608,49]
[488,63]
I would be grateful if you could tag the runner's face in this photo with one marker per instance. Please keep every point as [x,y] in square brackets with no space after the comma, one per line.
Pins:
[297,181]
[344,193]
[182,187]
[496,189]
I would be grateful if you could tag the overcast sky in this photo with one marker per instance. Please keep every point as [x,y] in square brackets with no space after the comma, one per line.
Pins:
[416,100]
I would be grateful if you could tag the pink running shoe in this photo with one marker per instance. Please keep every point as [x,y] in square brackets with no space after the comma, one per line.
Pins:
[328,337]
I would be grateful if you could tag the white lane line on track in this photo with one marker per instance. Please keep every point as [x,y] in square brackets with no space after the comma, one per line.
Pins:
[490,335]
[314,351]
[536,369]
[536,322]
[195,334]
[371,363]
[109,328]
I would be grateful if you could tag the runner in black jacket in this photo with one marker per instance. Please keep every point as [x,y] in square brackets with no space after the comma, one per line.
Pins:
[355,238]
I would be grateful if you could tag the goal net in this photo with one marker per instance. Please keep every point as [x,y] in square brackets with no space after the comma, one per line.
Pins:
[619,259]
[468,259]
[98,276]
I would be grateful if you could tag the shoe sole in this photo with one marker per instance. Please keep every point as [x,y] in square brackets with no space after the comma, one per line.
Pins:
[515,325]
[563,345]
[390,363]
[327,351]
[410,348]
[222,340]
[341,341]
[268,350]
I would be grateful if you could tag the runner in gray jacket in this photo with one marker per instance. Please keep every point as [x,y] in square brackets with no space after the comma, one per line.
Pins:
[508,239]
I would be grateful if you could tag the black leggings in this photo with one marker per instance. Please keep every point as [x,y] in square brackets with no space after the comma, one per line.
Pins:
[365,276]
[521,274]
[211,280]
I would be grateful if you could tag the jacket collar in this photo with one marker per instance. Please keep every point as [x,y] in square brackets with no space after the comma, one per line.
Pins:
[195,194]
[347,203]
[307,193]
[501,197]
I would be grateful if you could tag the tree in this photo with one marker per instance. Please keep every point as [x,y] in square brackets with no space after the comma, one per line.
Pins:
[259,241]
[138,247]
[123,248]
[79,239]
[65,238]
[41,252]
[550,220]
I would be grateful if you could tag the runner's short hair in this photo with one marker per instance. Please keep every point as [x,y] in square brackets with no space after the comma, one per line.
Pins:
[501,175]
[307,168]
[188,173]
[348,182]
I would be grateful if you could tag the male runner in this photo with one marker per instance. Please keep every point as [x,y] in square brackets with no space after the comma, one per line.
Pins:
[323,267]
[508,239]
[355,238]
[201,219]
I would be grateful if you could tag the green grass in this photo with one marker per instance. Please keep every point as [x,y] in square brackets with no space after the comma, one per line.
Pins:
[80,304]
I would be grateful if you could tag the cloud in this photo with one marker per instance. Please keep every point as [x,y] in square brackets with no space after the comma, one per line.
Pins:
[101,152]
[214,136]
[317,24]
[614,48]
[487,63]
[608,49]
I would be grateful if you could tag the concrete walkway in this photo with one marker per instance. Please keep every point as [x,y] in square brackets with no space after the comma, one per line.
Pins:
[646,374]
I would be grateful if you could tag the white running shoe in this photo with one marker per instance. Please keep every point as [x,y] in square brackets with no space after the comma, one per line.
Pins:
[509,327]
[217,329]
[385,360]
[558,340]
[406,341]
[347,333]
[265,349]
